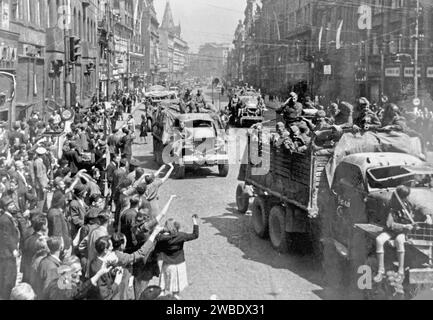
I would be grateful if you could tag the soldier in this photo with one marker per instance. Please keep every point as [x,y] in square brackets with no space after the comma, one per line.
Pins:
[199,100]
[400,221]
[367,119]
[392,119]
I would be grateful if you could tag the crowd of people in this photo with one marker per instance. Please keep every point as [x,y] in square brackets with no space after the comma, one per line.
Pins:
[79,217]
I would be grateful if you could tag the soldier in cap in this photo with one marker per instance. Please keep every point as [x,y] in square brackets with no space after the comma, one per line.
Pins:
[367,119]
[392,119]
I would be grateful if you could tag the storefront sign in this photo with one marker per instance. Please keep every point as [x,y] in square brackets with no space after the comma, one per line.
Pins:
[392,72]
[408,72]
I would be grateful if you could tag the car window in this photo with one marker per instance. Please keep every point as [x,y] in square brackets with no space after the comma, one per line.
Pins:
[348,175]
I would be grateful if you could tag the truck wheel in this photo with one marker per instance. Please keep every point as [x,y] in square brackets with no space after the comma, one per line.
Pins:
[260,217]
[223,170]
[277,233]
[242,199]
[180,172]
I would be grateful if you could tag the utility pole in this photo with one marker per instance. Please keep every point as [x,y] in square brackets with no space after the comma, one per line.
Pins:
[416,49]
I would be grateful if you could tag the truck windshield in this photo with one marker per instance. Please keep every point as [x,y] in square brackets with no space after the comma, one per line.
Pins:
[392,177]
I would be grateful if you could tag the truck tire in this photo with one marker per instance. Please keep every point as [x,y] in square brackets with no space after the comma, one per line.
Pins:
[242,199]
[223,170]
[260,217]
[277,231]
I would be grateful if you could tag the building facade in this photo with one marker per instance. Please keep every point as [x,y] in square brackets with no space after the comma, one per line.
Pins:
[150,32]
[335,49]
[173,49]
[211,61]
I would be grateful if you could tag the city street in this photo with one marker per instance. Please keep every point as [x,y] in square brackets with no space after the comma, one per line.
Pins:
[229,260]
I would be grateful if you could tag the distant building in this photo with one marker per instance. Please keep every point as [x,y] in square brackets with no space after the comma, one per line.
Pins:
[150,31]
[211,60]
[173,49]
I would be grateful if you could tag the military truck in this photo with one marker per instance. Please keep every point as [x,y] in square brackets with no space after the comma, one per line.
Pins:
[247,110]
[336,200]
[201,143]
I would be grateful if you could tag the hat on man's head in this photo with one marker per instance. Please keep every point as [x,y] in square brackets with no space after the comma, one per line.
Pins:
[41,151]
[19,164]
[80,189]
[363,101]
[5,201]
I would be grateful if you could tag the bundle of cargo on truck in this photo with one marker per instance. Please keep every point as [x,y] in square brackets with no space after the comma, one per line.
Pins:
[298,178]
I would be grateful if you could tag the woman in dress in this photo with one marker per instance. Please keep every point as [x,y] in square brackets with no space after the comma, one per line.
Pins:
[173,279]
[143,128]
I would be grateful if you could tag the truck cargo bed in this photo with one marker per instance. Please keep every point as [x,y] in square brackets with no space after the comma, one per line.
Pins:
[294,177]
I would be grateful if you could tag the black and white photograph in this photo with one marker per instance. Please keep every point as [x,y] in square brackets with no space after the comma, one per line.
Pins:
[229,152]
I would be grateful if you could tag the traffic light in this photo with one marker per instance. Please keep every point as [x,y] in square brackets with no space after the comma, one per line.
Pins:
[75,49]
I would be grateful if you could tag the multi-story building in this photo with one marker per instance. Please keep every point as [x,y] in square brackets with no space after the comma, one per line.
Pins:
[137,48]
[211,60]
[237,56]
[22,54]
[123,30]
[150,32]
[173,49]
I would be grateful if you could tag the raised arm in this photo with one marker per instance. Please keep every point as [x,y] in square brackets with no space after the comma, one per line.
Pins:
[170,171]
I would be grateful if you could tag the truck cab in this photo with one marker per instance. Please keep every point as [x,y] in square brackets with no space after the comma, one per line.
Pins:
[362,187]
[191,140]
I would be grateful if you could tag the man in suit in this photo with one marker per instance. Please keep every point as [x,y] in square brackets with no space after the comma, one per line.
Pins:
[41,176]
[127,220]
[73,158]
[9,239]
[57,223]
[24,184]
[126,144]
[47,270]
[78,209]
[29,249]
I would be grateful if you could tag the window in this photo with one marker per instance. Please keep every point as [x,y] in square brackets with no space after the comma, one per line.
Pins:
[348,175]
[14,9]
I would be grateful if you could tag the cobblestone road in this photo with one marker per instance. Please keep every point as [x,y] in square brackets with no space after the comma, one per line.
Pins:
[229,260]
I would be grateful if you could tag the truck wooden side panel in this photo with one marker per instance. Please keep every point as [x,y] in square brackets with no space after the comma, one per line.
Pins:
[293,177]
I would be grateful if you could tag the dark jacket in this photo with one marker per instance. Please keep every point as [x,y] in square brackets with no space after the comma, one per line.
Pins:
[127,220]
[28,251]
[47,272]
[79,292]
[106,288]
[74,160]
[9,236]
[172,245]
[77,212]
[58,226]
